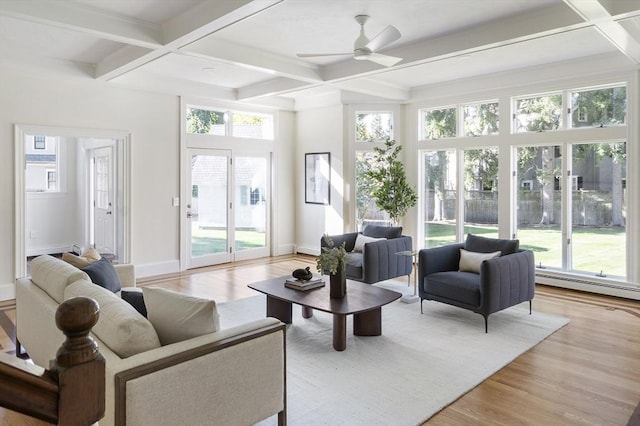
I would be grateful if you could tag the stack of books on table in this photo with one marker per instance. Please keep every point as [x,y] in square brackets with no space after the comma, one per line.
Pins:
[304,285]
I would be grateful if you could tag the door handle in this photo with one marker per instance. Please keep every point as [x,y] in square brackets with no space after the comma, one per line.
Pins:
[189,215]
[109,212]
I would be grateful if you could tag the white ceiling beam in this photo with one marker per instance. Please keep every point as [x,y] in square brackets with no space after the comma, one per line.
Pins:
[207,17]
[599,13]
[273,87]
[236,54]
[371,87]
[73,17]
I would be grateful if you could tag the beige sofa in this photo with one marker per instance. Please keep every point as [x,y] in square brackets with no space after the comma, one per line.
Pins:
[234,376]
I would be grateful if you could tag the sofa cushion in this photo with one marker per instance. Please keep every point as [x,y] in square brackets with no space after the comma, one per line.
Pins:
[488,245]
[177,316]
[52,275]
[354,265]
[388,232]
[135,299]
[453,285]
[103,274]
[470,261]
[119,326]
[361,240]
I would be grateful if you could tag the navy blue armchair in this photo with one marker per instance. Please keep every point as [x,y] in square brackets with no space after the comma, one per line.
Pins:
[494,275]
[371,255]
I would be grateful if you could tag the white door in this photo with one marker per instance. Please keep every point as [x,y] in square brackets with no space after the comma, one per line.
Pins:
[208,207]
[103,230]
[227,206]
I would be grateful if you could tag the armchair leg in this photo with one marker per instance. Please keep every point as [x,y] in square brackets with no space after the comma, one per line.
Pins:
[421,300]
[486,323]
[529,307]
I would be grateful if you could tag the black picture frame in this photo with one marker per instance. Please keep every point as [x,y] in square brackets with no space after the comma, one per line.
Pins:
[317,178]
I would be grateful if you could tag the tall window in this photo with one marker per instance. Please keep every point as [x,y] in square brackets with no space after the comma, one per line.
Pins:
[481,192]
[439,198]
[42,164]
[539,217]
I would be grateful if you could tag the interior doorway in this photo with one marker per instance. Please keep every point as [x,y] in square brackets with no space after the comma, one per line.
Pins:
[71,192]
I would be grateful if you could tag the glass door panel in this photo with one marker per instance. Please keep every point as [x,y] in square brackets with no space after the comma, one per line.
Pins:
[598,208]
[251,205]
[208,208]
[440,193]
[538,201]
[481,192]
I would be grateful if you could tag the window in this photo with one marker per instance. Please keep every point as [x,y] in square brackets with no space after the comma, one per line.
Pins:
[256,196]
[39,142]
[481,119]
[439,123]
[51,180]
[374,126]
[256,126]
[366,209]
[538,113]
[42,164]
[206,121]
[439,198]
[240,125]
[539,218]
[481,192]
[599,107]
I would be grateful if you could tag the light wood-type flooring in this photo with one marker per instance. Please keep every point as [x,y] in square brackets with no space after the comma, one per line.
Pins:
[587,373]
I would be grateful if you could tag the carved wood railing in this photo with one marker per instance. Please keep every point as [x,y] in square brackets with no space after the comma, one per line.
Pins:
[71,391]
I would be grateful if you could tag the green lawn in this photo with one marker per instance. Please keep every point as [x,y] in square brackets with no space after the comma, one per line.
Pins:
[209,241]
[594,249]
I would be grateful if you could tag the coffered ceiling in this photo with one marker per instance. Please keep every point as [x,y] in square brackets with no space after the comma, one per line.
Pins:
[242,50]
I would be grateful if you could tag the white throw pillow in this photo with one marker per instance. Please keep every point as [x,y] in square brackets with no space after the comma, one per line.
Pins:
[470,261]
[53,275]
[361,240]
[177,316]
[119,326]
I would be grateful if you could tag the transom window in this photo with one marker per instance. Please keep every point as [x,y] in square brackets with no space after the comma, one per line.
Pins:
[229,123]
[374,126]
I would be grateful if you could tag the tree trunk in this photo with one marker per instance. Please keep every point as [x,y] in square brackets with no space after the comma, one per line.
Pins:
[617,219]
[548,190]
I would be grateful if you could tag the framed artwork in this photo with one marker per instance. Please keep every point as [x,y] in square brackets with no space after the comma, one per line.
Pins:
[317,178]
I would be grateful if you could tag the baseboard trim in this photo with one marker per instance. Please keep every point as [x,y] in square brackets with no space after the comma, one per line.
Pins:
[314,251]
[607,289]
[159,268]
[284,249]
[7,292]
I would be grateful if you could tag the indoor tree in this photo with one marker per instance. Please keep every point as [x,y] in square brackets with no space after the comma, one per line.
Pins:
[389,187]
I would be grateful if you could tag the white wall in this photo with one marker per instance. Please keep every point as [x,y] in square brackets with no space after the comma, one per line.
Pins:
[152,120]
[319,130]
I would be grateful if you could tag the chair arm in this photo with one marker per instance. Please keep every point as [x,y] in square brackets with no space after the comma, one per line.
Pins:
[438,259]
[380,261]
[235,376]
[506,281]
[348,239]
[127,274]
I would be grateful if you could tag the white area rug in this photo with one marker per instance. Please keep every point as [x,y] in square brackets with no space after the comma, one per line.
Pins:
[419,365]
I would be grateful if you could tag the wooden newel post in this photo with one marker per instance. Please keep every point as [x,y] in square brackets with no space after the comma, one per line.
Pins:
[79,368]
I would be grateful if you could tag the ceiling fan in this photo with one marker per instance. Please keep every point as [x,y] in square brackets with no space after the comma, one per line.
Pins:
[365,48]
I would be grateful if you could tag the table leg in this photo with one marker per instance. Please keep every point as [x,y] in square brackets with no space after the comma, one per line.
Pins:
[368,323]
[307,312]
[339,332]
[279,309]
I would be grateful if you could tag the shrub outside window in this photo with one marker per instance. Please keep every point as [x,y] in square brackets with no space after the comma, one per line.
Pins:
[481,119]
[374,126]
[439,123]
[538,113]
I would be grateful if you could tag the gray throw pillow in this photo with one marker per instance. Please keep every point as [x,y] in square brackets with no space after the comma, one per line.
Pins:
[388,232]
[489,245]
[103,274]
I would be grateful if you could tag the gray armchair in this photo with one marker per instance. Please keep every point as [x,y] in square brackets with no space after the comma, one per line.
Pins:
[376,260]
[500,282]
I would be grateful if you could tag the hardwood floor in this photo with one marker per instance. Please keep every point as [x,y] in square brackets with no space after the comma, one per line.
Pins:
[587,373]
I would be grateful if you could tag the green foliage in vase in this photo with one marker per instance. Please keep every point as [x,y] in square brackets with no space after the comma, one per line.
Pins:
[389,186]
[331,258]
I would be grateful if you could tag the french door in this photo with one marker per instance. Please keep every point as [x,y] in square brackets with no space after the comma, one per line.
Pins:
[227,206]
[102,224]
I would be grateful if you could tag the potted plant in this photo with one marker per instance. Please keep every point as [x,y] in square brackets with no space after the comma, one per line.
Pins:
[389,186]
[333,260]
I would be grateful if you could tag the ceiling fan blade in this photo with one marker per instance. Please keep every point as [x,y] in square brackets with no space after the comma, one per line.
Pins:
[385,37]
[386,60]
[311,55]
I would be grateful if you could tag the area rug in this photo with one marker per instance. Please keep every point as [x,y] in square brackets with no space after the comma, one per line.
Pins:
[420,364]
